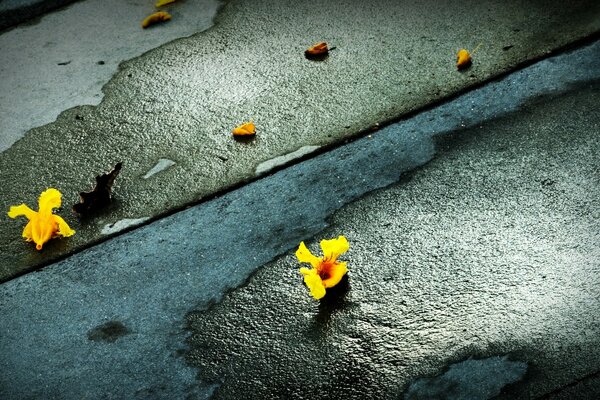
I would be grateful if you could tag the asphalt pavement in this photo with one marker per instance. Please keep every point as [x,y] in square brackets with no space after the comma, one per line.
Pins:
[179,102]
[474,269]
[475,276]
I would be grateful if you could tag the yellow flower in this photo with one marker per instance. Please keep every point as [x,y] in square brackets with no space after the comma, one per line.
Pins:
[326,271]
[43,225]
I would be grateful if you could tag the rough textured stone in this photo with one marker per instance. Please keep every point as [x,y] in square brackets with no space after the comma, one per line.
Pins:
[181,101]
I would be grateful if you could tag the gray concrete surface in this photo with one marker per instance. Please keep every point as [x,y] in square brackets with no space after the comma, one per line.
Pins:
[180,101]
[72,53]
[586,388]
[490,249]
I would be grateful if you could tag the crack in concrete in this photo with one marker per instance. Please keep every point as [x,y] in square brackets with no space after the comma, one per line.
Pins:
[576,382]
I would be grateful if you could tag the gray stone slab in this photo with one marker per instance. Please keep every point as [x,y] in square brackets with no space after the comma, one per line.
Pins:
[66,58]
[472,256]
[180,102]
[490,252]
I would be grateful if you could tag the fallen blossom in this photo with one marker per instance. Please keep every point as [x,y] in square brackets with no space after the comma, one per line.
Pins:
[161,3]
[317,51]
[326,271]
[43,225]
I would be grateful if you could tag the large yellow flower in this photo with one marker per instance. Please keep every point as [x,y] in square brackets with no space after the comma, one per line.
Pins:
[326,271]
[43,225]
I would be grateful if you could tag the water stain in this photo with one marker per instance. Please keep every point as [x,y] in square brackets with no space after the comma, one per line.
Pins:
[108,332]
[469,380]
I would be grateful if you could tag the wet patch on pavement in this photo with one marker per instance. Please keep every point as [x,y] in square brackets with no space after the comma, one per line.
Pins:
[108,332]
[471,257]
[469,380]
[181,100]
[153,276]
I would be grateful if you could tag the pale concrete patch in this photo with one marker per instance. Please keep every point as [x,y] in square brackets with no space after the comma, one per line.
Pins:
[65,59]
[160,166]
[268,165]
[122,224]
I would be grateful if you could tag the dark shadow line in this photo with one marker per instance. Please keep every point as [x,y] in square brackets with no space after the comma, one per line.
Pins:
[569,385]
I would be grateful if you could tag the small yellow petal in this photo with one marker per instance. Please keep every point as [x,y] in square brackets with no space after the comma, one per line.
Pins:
[49,200]
[463,59]
[336,273]
[22,209]
[63,228]
[317,51]
[333,248]
[314,283]
[304,255]
[245,129]
[161,3]
[155,18]
[27,232]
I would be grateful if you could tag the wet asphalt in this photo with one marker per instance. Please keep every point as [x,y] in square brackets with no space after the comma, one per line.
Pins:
[474,269]
[180,101]
[489,250]
[71,54]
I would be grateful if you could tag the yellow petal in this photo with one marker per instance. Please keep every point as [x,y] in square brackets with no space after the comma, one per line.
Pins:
[333,248]
[42,230]
[155,18]
[304,255]
[27,232]
[49,200]
[314,283]
[463,59]
[63,228]
[16,211]
[317,49]
[336,273]
[245,129]
[161,3]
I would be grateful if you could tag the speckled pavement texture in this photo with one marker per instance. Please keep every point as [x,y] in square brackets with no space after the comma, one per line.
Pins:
[180,101]
[474,269]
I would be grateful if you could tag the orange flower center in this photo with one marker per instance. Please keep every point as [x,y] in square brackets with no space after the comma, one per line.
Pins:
[325,267]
